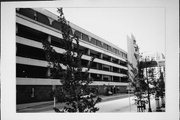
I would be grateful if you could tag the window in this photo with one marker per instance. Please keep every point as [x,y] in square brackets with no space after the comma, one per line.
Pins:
[30,13]
[42,18]
[98,43]
[28,71]
[77,34]
[30,33]
[105,46]
[109,47]
[105,67]
[106,78]
[57,25]
[58,42]
[85,37]
[93,41]
[30,52]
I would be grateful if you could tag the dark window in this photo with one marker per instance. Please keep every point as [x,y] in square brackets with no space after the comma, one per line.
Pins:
[93,41]
[96,77]
[94,65]
[58,42]
[123,71]
[30,13]
[42,18]
[105,67]
[106,57]
[115,69]
[124,79]
[57,25]
[106,78]
[125,55]
[123,63]
[77,34]
[28,71]
[114,60]
[84,63]
[116,79]
[30,52]
[85,37]
[29,33]
[98,43]
[105,46]
[109,48]
[94,54]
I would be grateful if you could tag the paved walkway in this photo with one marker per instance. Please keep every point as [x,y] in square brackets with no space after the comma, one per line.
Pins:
[48,105]
[42,106]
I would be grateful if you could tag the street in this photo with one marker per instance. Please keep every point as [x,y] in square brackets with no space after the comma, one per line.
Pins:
[116,104]
[119,105]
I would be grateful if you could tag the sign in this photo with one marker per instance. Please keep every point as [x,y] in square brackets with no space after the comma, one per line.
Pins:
[161,63]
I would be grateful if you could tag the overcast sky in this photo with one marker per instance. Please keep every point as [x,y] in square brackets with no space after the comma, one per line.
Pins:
[114,24]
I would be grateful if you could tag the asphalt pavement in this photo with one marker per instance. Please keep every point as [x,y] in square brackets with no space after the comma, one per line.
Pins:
[113,103]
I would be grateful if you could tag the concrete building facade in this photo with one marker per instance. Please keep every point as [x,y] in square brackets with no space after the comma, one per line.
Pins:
[133,57]
[109,69]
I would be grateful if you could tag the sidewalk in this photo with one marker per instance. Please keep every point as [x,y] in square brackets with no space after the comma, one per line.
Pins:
[48,105]
[39,106]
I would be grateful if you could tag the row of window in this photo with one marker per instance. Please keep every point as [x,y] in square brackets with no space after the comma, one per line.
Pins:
[55,24]
[28,71]
[36,53]
[38,36]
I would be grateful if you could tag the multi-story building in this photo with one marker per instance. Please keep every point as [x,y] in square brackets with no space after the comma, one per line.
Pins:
[109,69]
[160,60]
[133,57]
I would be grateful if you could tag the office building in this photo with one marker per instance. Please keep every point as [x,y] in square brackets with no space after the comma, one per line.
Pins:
[33,25]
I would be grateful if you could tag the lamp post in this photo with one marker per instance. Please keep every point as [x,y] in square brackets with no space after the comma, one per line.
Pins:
[149,102]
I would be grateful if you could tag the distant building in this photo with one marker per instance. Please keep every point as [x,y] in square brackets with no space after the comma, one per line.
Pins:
[109,69]
[159,58]
[133,57]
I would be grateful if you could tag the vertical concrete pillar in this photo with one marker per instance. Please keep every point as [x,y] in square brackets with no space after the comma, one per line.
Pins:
[111,68]
[119,62]
[49,38]
[16,28]
[89,52]
[111,59]
[101,56]
[89,76]
[50,21]
[112,78]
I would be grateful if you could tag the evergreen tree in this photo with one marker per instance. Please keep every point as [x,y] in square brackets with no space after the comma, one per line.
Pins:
[68,68]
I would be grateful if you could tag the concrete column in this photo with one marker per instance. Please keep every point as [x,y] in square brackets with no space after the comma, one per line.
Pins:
[48,72]
[89,52]
[112,79]
[111,58]
[101,56]
[50,20]
[16,28]
[97,66]
[49,38]
[111,68]
[118,61]
[89,76]
[119,70]
[101,77]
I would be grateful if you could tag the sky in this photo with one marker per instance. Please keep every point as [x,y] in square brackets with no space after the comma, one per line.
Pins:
[114,24]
